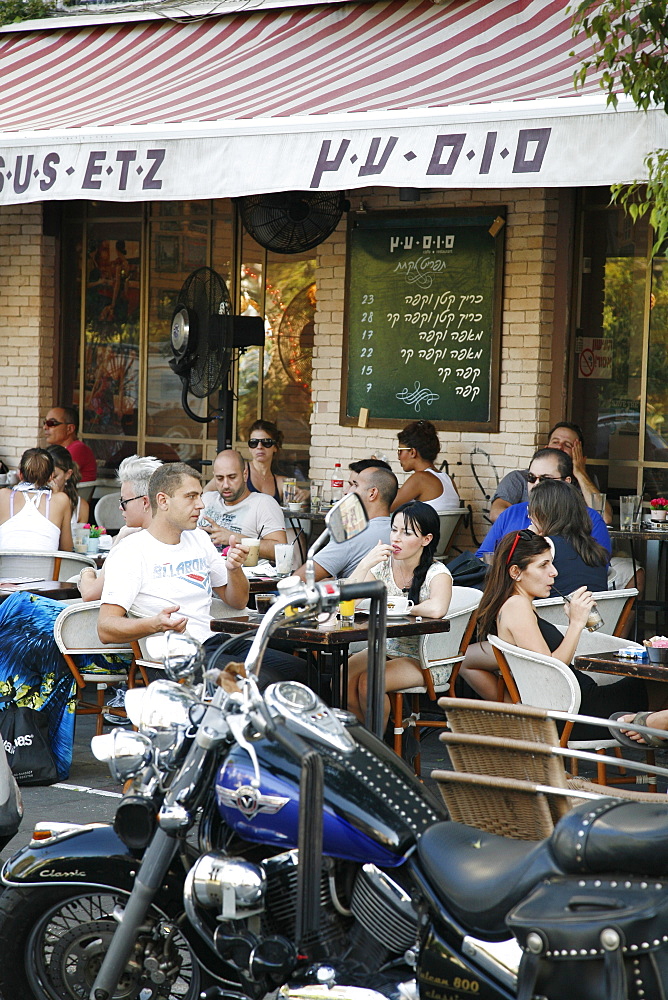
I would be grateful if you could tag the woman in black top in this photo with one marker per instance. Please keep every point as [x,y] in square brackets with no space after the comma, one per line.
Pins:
[558,509]
[521,572]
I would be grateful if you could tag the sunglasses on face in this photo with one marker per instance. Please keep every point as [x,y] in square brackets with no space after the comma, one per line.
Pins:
[542,479]
[124,503]
[53,423]
[265,442]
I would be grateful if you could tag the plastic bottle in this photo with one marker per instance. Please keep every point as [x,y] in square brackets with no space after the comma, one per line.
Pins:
[336,483]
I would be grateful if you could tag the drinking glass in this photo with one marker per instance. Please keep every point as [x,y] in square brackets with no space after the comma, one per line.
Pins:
[598,501]
[289,491]
[316,494]
[629,508]
[283,555]
[80,539]
[346,609]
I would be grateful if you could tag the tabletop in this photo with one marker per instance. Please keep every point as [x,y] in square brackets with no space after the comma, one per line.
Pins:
[57,590]
[610,663]
[646,534]
[333,633]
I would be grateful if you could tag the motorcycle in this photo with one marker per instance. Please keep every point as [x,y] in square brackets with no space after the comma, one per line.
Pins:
[268,842]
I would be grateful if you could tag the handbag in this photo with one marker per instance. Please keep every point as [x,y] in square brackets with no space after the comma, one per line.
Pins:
[11,803]
[468,571]
[25,734]
[593,938]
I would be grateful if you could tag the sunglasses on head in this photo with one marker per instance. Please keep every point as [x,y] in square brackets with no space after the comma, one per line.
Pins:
[265,442]
[53,423]
[542,479]
[525,535]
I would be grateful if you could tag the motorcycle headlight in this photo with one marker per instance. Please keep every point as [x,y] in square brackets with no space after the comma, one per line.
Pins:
[125,752]
[164,713]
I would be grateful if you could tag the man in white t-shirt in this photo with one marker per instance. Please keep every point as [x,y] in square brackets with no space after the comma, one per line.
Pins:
[168,572]
[232,509]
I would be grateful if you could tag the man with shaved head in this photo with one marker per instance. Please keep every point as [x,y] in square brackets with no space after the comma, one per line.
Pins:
[231,509]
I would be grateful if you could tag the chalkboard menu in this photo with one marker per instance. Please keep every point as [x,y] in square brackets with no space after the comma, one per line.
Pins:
[423,318]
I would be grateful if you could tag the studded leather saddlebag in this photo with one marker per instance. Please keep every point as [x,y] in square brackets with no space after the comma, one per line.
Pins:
[593,938]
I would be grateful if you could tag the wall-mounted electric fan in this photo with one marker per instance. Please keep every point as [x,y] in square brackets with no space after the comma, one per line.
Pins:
[291,221]
[204,338]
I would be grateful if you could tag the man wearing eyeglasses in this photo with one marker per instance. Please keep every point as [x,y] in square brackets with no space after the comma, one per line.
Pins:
[232,509]
[565,437]
[61,426]
[547,463]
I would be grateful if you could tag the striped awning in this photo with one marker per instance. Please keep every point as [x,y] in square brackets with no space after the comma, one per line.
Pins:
[470,93]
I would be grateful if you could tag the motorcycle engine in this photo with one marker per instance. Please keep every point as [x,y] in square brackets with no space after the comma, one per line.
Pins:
[366,918]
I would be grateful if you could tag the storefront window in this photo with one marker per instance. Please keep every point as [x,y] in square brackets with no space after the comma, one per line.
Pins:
[132,261]
[619,384]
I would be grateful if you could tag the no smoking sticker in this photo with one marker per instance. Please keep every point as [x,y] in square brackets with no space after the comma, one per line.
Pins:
[586,363]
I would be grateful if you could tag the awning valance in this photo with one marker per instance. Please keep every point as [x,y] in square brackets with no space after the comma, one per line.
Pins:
[410,94]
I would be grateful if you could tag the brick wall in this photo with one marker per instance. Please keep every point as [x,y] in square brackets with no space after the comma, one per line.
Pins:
[526,364]
[27,270]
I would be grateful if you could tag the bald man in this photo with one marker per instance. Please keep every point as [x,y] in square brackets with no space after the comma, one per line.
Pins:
[231,509]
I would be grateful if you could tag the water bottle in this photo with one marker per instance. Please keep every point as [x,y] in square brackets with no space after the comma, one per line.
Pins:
[336,483]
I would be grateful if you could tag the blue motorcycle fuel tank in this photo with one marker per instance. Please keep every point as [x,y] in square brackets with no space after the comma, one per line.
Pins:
[375,807]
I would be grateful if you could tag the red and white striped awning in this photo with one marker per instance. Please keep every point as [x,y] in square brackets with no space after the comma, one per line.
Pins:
[471,93]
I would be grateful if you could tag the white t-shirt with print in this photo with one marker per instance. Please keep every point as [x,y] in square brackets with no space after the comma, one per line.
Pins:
[255,516]
[147,576]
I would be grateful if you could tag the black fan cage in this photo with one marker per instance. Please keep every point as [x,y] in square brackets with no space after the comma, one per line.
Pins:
[291,221]
[295,337]
[209,356]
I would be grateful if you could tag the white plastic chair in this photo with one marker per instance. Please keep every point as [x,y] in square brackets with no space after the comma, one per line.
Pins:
[615,608]
[441,655]
[43,565]
[449,520]
[107,511]
[545,682]
[75,632]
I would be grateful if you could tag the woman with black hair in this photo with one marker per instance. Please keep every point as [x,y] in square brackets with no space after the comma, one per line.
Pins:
[558,509]
[417,451]
[264,443]
[407,568]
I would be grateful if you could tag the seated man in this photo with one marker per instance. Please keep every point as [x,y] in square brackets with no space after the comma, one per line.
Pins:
[547,463]
[376,487]
[564,437]
[167,575]
[233,509]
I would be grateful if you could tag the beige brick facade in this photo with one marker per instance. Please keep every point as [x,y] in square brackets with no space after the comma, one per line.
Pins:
[27,324]
[476,459]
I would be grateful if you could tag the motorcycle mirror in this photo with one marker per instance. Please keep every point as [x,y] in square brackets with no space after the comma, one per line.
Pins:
[347,518]
[181,655]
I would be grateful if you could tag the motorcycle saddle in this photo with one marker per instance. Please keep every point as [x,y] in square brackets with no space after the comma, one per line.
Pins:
[613,835]
[479,876]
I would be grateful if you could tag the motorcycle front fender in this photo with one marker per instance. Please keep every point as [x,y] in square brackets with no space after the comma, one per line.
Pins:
[90,855]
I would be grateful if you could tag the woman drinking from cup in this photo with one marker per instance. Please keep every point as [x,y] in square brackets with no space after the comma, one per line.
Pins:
[523,571]
[407,568]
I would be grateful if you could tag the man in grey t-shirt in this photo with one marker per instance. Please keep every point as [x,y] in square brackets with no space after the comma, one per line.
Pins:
[376,488]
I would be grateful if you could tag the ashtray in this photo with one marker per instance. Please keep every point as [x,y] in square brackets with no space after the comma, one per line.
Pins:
[657,654]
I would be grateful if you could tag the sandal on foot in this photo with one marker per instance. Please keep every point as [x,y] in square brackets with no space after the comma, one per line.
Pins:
[639,719]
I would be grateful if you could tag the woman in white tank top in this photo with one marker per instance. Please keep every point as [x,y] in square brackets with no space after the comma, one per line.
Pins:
[32,518]
[417,451]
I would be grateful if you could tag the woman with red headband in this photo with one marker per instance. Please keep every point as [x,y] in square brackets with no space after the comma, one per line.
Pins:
[521,572]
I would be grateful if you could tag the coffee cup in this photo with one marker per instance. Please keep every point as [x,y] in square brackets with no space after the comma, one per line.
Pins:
[253,546]
[263,602]
[283,555]
[398,605]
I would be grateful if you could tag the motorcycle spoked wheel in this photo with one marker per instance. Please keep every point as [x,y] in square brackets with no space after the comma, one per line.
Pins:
[58,938]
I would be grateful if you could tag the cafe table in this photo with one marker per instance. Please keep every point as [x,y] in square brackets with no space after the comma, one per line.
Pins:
[652,540]
[315,519]
[330,641]
[57,590]
[622,666]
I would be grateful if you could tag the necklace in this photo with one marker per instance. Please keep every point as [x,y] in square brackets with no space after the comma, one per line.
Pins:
[402,583]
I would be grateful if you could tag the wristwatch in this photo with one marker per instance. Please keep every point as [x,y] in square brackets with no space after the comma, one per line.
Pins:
[86,569]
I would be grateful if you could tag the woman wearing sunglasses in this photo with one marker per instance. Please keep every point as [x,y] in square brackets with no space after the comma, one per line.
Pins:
[264,442]
[522,571]
[417,451]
